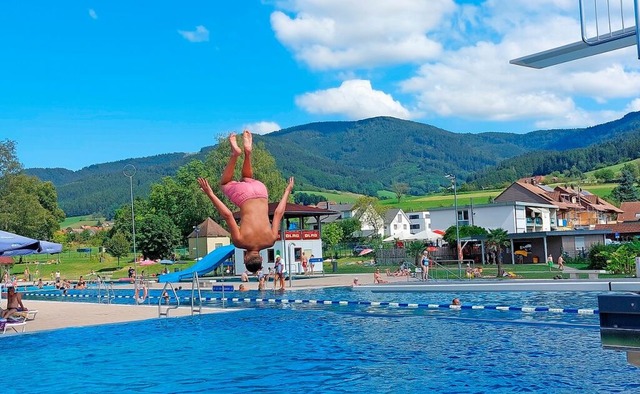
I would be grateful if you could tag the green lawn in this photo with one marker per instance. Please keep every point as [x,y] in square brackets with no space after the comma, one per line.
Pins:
[78,221]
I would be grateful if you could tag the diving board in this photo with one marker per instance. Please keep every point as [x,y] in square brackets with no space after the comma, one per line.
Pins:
[207,264]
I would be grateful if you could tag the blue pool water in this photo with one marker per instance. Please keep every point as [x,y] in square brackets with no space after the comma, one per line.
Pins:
[327,348]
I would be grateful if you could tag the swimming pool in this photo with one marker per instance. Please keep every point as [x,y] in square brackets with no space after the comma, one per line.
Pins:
[334,348]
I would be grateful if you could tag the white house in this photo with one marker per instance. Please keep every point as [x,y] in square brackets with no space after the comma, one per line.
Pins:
[419,221]
[396,222]
[515,217]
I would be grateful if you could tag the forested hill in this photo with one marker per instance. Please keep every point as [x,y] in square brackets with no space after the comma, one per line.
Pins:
[101,188]
[371,154]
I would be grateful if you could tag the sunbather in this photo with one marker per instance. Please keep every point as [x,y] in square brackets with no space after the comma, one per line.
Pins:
[254,232]
[14,303]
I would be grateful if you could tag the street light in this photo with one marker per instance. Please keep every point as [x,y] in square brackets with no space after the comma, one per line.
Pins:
[291,257]
[197,230]
[452,178]
[129,171]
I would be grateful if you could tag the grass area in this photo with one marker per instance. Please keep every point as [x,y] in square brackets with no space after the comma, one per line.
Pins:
[352,265]
[615,168]
[421,203]
[338,197]
[78,221]
[72,264]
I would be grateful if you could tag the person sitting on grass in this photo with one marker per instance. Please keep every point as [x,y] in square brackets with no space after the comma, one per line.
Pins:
[254,232]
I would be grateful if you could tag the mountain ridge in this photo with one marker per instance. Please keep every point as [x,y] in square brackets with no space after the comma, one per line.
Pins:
[361,156]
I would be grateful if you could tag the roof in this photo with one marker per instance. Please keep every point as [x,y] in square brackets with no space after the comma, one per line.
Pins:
[209,228]
[631,210]
[565,198]
[296,211]
[621,228]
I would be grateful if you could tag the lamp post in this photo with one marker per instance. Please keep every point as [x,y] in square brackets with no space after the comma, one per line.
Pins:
[197,230]
[129,171]
[452,178]
[291,257]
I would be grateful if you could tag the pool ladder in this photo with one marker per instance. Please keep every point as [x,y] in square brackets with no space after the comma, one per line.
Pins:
[196,301]
[106,288]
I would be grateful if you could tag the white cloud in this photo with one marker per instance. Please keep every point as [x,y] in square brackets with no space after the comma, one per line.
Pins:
[92,13]
[200,34]
[633,106]
[355,99]
[262,127]
[333,34]
[462,54]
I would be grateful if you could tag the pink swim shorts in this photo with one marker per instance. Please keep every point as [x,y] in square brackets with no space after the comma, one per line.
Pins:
[247,189]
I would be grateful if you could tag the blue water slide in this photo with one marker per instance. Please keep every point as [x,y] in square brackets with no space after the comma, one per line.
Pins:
[207,264]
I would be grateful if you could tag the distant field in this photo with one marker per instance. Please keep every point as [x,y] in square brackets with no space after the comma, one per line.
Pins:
[421,203]
[78,221]
[338,197]
[615,168]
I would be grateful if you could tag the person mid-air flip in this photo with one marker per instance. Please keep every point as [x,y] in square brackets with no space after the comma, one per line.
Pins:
[255,232]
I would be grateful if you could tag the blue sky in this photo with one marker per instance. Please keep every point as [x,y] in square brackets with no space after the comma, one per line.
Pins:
[86,82]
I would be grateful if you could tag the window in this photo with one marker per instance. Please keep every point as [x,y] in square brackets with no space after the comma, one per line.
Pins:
[271,257]
[415,227]
[463,218]
[579,243]
[399,218]
[413,217]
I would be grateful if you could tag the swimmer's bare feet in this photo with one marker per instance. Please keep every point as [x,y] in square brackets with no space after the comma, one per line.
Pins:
[235,149]
[247,138]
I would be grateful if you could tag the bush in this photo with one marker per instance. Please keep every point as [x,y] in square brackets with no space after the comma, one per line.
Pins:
[597,261]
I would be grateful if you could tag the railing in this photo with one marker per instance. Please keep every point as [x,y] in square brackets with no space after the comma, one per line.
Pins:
[105,290]
[606,20]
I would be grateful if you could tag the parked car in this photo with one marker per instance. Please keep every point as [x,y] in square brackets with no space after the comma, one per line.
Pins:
[359,248]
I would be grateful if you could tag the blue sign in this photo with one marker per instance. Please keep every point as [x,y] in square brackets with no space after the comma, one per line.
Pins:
[222,288]
[617,235]
[316,260]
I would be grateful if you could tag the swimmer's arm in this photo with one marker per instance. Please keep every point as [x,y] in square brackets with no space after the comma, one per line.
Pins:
[224,211]
[282,205]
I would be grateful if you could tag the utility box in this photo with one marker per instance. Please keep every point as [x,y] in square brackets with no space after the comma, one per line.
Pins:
[620,321]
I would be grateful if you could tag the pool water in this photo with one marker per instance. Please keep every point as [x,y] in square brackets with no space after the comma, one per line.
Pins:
[336,349]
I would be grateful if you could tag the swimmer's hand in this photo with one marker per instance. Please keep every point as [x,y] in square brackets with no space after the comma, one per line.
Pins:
[290,185]
[204,186]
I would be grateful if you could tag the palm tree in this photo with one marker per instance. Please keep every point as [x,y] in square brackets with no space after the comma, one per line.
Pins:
[497,239]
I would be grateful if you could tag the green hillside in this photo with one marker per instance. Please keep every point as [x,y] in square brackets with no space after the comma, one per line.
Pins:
[367,156]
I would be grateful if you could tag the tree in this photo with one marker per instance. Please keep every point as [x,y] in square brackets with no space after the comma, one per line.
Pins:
[465,231]
[415,249]
[400,189]
[497,239]
[118,246]
[332,235]
[604,174]
[349,227]
[9,163]
[370,212]
[158,237]
[626,190]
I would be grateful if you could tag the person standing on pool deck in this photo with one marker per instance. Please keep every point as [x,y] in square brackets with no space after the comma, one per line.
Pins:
[550,261]
[254,232]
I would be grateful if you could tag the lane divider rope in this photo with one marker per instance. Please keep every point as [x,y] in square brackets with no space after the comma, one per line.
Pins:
[526,309]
